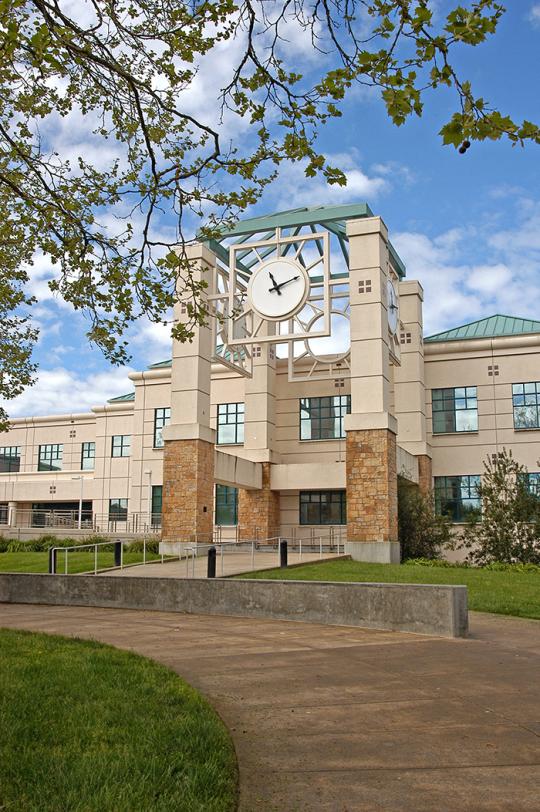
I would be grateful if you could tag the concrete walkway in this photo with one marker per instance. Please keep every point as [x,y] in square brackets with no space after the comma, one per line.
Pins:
[342,719]
[232,563]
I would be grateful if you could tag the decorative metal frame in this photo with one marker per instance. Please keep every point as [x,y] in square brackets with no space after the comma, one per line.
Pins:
[245,326]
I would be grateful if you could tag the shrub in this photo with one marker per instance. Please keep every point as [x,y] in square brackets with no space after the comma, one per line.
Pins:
[152,546]
[509,529]
[422,533]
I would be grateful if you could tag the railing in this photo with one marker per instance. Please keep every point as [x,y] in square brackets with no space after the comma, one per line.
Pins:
[95,522]
[191,552]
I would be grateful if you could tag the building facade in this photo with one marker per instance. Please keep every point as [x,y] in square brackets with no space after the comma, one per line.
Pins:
[288,418]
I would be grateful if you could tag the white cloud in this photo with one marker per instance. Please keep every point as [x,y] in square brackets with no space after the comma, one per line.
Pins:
[60,390]
[472,273]
[534,14]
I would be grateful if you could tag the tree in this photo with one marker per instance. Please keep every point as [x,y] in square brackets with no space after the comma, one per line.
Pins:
[509,527]
[422,533]
[127,67]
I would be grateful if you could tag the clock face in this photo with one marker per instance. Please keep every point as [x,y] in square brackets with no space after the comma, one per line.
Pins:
[393,307]
[278,288]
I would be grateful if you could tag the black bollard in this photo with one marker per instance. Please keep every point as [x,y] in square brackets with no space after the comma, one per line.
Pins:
[117,553]
[211,571]
[52,561]
[282,553]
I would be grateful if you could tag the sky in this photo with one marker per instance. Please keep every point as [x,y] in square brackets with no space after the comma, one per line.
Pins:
[467,226]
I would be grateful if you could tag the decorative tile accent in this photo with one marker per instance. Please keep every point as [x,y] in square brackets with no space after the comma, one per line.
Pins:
[364,286]
[493,370]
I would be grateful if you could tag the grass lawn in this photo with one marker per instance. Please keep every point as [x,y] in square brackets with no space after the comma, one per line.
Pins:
[86,727]
[505,593]
[77,562]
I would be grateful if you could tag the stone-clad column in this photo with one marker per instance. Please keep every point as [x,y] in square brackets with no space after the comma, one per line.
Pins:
[259,511]
[371,427]
[188,460]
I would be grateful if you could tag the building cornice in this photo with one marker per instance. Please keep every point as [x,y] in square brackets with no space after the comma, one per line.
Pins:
[454,347]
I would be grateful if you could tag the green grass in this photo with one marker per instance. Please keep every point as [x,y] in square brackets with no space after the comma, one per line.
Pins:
[505,593]
[77,562]
[88,728]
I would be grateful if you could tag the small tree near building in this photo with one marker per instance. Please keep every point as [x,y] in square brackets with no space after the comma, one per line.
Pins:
[422,532]
[508,530]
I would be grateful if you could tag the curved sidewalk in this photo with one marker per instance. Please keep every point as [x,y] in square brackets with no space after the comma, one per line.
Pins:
[341,719]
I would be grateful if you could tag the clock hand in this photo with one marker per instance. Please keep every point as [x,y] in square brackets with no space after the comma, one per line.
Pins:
[278,287]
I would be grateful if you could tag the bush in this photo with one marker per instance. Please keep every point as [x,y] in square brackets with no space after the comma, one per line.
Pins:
[422,533]
[509,529]
[138,546]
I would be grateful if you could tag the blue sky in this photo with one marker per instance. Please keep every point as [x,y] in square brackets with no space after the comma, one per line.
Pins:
[468,227]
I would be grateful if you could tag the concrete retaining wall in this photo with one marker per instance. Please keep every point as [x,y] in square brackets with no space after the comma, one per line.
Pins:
[420,608]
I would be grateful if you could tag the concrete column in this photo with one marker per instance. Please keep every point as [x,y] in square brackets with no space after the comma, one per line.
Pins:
[258,511]
[371,427]
[12,514]
[188,458]
[409,382]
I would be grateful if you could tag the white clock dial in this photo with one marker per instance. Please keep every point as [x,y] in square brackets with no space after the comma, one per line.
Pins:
[393,307]
[278,288]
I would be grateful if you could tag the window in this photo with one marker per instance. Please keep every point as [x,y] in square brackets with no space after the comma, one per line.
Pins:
[10,458]
[118,509]
[121,445]
[533,483]
[162,418]
[457,496]
[322,418]
[88,456]
[454,410]
[4,512]
[226,505]
[230,418]
[157,504]
[526,403]
[50,457]
[323,507]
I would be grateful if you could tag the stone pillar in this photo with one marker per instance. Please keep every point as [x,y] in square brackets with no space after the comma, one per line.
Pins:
[188,457]
[259,511]
[425,474]
[371,427]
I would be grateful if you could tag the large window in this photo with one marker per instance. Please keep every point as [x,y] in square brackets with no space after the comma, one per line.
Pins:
[230,423]
[50,457]
[162,418]
[121,445]
[322,418]
[526,403]
[10,458]
[88,456]
[118,510]
[157,504]
[226,505]
[457,496]
[454,410]
[323,507]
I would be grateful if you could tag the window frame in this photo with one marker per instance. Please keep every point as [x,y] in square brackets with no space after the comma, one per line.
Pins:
[121,446]
[91,457]
[160,421]
[155,515]
[113,517]
[225,498]
[457,515]
[11,469]
[310,498]
[226,410]
[524,405]
[59,456]
[318,405]
[443,396]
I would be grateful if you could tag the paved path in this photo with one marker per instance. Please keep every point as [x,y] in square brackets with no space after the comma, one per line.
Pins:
[350,720]
[233,563]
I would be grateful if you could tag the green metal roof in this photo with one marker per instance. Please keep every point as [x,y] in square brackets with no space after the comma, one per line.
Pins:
[123,398]
[330,218]
[490,327]
[161,364]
